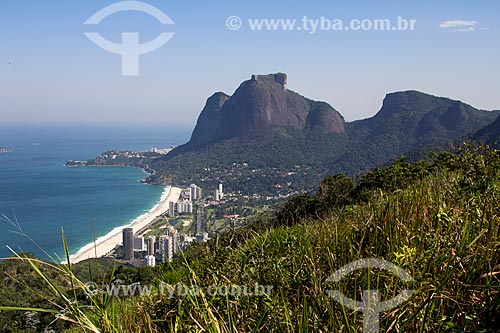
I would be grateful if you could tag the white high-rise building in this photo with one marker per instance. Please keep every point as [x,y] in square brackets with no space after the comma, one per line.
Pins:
[167,246]
[196,192]
[185,207]
[219,193]
[150,261]
[175,238]
[164,248]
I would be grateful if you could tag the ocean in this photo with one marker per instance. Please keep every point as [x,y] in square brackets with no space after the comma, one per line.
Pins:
[43,196]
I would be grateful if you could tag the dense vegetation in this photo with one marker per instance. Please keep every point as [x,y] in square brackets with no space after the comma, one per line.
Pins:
[410,122]
[437,219]
[292,162]
[301,141]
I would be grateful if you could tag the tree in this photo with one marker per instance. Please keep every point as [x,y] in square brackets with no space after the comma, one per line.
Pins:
[335,191]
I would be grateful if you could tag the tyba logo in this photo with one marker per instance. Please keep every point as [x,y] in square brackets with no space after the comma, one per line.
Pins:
[130,49]
[371,305]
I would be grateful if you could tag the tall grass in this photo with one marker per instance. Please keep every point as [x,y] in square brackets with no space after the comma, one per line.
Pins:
[443,229]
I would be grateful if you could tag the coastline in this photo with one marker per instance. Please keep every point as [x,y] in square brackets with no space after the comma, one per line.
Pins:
[146,169]
[105,244]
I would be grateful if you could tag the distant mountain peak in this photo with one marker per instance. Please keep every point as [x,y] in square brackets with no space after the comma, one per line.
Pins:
[422,118]
[400,101]
[264,125]
[258,109]
[279,78]
[263,112]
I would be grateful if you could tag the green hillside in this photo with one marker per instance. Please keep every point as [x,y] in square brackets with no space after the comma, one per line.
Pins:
[269,140]
[438,220]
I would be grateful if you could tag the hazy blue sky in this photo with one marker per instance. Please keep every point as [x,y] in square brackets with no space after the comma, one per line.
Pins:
[56,74]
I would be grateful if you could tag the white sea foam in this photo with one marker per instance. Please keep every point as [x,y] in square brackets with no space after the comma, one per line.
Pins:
[119,229]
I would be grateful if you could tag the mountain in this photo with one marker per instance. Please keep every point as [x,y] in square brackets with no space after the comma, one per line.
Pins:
[266,138]
[489,134]
[409,120]
[421,116]
[257,111]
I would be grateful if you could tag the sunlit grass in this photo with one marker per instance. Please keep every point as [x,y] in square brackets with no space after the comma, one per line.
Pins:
[443,229]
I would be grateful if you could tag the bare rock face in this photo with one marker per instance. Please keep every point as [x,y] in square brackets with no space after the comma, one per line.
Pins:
[280,78]
[210,121]
[267,124]
[258,108]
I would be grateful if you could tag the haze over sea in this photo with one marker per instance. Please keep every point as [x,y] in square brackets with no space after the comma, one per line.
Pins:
[44,195]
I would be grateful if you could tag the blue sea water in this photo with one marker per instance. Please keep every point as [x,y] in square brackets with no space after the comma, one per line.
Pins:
[44,196]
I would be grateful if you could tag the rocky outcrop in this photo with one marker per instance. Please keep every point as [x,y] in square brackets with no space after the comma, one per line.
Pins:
[264,112]
[258,108]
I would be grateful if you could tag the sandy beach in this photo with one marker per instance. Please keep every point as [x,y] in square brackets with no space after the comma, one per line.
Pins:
[105,245]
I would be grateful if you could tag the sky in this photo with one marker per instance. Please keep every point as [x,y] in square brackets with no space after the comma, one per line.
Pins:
[51,72]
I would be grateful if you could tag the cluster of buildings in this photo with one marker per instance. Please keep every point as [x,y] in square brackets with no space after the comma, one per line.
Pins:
[115,154]
[164,247]
[162,151]
[185,203]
